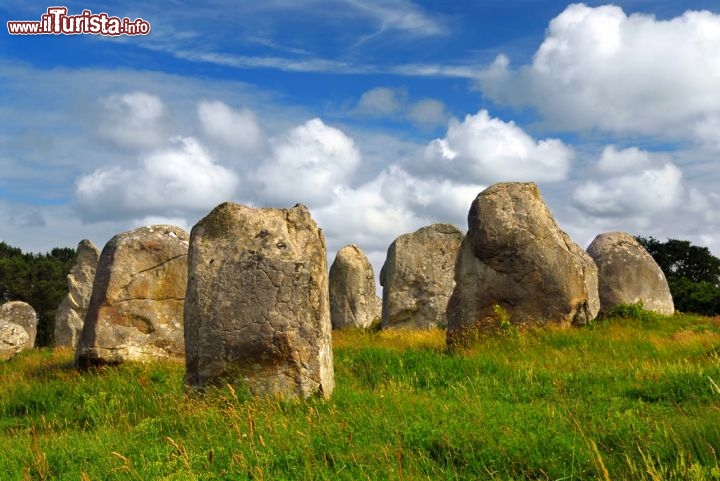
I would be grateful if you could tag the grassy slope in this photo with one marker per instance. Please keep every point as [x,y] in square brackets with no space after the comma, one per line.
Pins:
[623,399]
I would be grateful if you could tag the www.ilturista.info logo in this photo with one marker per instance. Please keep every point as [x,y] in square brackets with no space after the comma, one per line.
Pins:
[57,22]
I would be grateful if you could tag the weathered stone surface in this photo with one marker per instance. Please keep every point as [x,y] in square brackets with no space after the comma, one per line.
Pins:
[22,314]
[628,274]
[70,315]
[353,302]
[377,308]
[136,307]
[257,311]
[417,277]
[13,339]
[516,257]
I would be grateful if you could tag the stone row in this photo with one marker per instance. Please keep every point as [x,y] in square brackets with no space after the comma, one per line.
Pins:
[246,297]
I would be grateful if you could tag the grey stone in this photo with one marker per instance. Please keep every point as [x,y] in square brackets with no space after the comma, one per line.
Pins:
[417,277]
[13,340]
[136,307]
[257,312]
[516,257]
[70,315]
[22,314]
[628,274]
[353,302]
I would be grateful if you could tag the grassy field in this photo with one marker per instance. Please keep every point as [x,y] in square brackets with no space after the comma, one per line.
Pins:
[626,398]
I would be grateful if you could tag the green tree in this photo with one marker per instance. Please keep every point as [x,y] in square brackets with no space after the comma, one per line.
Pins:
[38,279]
[698,297]
[693,274]
[679,258]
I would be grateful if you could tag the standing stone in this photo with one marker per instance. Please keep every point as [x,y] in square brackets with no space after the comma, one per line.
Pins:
[136,307]
[516,257]
[628,274]
[70,315]
[13,339]
[378,309]
[257,311]
[353,302]
[417,277]
[22,314]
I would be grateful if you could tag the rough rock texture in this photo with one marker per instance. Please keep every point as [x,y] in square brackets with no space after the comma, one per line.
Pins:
[13,339]
[378,308]
[515,256]
[417,277]
[628,274]
[353,302]
[136,307]
[70,315]
[22,314]
[257,311]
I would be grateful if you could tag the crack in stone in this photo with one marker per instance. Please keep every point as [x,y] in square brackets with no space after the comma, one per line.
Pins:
[134,275]
[158,265]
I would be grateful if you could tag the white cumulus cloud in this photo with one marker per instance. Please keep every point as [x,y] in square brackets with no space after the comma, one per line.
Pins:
[237,129]
[363,216]
[133,120]
[181,178]
[433,199]
[707,131]
[599,68]
[637,183]
[485,150]
[614,161]
[307,165]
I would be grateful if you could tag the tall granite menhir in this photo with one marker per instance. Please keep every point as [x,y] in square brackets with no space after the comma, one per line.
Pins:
[353,302]
[70,315]
[417,277]
[515,257]
[136,307]
[257,310]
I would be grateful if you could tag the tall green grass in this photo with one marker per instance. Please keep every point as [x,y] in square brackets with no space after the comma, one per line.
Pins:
[625,398]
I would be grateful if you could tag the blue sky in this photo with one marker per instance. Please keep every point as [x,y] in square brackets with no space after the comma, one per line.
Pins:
[381,116]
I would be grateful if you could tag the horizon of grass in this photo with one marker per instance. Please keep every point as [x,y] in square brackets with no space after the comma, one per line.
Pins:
[623,398]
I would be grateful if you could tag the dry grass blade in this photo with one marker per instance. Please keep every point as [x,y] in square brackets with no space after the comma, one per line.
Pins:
[39,460]
[716,388]
[180,451]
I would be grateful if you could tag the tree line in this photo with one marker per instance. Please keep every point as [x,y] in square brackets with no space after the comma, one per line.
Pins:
[38,279]
[692,272]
